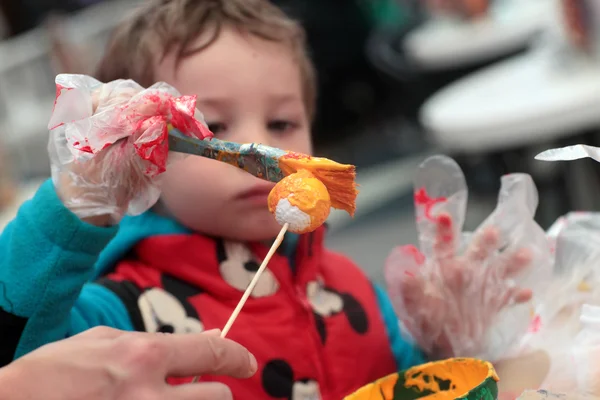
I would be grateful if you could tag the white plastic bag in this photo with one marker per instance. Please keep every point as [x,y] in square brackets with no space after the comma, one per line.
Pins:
[575,361]
[108,142]
[480,319]
[564,330]
[586,353]
[576,277]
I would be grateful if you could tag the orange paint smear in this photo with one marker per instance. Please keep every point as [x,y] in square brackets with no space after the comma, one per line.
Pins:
[303,190]
[339,179]
[461,374]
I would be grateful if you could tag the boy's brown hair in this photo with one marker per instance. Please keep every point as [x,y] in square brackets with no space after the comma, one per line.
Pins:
[163,26]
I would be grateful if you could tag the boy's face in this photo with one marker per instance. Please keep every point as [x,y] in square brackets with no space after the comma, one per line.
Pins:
[249,90]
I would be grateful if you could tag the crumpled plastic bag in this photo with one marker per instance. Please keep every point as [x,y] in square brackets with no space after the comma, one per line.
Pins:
[118,129]
[568,313]
[586,353]
[576,278]
[574,359]
[470,318]
[570,153]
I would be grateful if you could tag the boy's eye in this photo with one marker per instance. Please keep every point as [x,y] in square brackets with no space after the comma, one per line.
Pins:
[216,127]
[281,125]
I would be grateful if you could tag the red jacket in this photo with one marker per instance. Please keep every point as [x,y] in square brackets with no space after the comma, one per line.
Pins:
[314,326]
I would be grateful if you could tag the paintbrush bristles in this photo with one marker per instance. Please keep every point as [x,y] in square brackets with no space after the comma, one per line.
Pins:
[341,186]
[339,179]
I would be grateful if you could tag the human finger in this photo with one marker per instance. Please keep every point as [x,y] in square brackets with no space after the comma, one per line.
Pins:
[198,354]
[515,295]
[517,261]
[444,239]
[523,295]
[483,244]
[100,332]
[199,391]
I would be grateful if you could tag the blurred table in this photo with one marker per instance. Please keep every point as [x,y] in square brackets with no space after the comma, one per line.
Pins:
[444,44]
[522,101]
[531,100]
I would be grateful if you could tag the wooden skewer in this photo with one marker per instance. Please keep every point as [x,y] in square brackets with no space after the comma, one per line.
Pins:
[252,284]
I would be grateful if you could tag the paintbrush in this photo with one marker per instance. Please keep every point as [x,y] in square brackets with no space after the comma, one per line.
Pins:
[272,164]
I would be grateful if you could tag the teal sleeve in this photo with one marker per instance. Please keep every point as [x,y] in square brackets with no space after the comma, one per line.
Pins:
[48,255]
[99,306]
[406,353]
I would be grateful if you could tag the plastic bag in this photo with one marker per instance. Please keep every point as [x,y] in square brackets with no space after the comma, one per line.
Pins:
[108,142]
[473,319]
[586,353]
[559,312]
[576,280]
[575,362]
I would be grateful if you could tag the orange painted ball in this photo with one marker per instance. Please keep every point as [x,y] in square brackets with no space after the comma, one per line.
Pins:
[301,200]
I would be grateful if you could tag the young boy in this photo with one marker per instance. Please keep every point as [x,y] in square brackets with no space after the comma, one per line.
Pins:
[317,326]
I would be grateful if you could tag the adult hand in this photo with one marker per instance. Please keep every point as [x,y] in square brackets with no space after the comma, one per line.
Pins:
[108,364]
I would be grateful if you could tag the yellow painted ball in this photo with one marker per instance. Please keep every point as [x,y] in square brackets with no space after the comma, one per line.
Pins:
[301,200]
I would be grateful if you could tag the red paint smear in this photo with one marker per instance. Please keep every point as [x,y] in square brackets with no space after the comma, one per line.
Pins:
[422,199]
[536,324]
[149,133]
[445,222]
[183,111]
[413,251]
[59,89]
[156,151]
[86,149]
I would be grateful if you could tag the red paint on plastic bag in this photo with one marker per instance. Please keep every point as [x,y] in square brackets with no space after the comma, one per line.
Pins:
[142,122]
[413,251]
[183,110]
[153,145]
[536,324]
[422,199]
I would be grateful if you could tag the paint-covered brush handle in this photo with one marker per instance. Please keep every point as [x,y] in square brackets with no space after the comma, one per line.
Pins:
[256,159]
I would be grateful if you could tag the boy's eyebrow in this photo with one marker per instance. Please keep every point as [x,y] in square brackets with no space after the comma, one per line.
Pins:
[285,98]
[215,102]
[224,102]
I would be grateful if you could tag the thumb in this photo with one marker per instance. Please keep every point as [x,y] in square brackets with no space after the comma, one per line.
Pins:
[204,353]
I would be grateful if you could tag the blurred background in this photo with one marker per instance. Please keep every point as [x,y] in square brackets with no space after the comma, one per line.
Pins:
[489,82]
